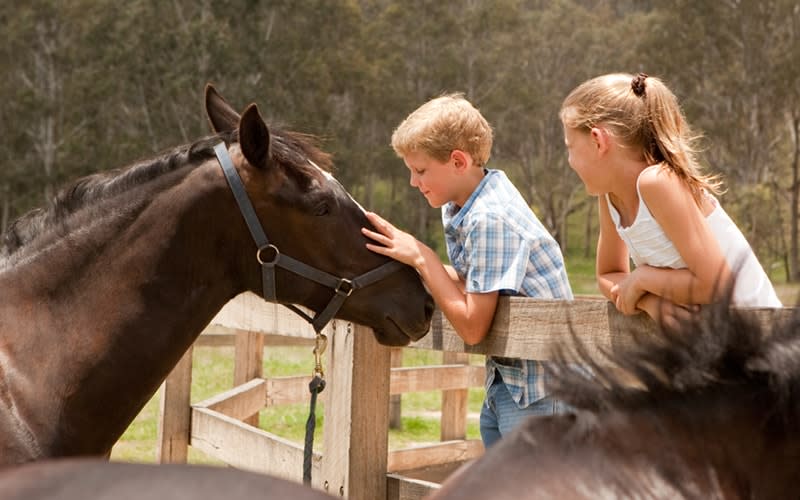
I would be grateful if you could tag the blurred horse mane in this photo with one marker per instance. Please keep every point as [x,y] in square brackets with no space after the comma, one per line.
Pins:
[706,408]
[720,346]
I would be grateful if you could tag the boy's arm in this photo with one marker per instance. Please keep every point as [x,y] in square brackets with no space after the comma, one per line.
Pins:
[456,279]
[470,314]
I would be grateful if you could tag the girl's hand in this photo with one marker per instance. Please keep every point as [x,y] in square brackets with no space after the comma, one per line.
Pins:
[667,313]
[394,243]
[626,294]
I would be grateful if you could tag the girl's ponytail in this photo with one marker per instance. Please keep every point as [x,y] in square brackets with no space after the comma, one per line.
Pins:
[669,139]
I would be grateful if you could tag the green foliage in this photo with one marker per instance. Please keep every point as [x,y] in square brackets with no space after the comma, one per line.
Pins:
[753,207]
[88,93]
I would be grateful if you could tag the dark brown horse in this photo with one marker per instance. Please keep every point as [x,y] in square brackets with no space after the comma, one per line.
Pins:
[708,410]
[102,292]
[94,480]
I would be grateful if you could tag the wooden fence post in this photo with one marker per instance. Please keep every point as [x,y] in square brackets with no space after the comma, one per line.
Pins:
[174,422]
[454,403]
[356,427]
[248,362]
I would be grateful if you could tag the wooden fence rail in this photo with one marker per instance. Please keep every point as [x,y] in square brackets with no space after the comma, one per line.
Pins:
[356,462]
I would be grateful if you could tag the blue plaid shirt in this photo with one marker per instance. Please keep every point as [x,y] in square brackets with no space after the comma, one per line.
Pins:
[496,243]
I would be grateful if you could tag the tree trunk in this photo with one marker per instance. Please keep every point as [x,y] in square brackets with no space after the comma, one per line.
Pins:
[5,209]
[795,194]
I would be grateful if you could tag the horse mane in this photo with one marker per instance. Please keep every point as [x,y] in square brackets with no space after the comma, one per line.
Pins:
[718,346]
[290,150]
[295,149]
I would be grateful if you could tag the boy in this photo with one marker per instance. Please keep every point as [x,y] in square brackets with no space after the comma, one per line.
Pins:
[495,243]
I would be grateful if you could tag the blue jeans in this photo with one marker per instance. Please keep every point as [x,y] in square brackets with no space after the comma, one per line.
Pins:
[500,414]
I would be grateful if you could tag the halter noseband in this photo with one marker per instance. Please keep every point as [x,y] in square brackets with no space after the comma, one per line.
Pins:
[342,287]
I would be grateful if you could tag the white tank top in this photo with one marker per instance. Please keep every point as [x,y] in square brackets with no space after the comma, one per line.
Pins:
[648,244]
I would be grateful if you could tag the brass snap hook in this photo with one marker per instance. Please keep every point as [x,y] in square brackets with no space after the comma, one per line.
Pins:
[320,344]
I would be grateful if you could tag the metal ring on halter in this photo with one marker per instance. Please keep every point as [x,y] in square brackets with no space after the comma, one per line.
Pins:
[272,262]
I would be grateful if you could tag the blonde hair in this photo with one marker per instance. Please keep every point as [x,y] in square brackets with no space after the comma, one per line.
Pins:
[640,112]
[442,125]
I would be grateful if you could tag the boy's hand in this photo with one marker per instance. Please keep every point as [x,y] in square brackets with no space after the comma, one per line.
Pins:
[394,243]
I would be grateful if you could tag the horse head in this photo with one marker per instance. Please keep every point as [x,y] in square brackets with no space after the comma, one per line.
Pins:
[125,268]
[311,219]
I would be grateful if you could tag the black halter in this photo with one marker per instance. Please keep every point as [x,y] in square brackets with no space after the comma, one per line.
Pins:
[342,287]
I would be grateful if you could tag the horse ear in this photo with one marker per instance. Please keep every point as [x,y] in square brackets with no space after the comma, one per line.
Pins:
[254,137]
[221,116]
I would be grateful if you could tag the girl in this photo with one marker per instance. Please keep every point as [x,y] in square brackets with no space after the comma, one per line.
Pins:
[629,142]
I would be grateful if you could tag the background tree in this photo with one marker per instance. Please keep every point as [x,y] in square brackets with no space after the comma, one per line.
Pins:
[86,93]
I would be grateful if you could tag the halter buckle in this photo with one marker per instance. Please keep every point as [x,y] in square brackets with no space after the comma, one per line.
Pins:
[344,287]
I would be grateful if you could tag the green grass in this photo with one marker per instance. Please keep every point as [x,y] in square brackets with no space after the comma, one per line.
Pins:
[580,271]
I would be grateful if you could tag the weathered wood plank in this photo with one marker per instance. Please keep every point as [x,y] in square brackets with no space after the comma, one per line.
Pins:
[532,329]
[528,328]
[246,447]
[399,487]
[435,378]
[222,336]
[287,390]
[435,454]
[240,402]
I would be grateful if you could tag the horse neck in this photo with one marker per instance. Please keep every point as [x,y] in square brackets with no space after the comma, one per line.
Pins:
[125,299]
[739,437]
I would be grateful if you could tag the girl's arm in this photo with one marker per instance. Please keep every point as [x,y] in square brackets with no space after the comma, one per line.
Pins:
[612,264]
[613,269]
[470,314]
[684,223]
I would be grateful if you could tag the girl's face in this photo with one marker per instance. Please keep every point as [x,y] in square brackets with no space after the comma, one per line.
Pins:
[583,158]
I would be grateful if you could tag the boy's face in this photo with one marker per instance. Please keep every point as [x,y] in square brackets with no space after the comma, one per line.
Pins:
[436,181]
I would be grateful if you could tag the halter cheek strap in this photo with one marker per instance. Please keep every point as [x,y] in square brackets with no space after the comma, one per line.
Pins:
[342,287]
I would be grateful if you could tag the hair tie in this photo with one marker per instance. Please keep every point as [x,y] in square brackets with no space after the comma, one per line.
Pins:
[638,84]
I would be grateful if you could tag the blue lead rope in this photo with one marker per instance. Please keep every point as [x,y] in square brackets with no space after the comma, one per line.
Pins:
[316,386]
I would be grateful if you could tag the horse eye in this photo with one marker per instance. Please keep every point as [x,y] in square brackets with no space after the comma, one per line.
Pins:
[322,209]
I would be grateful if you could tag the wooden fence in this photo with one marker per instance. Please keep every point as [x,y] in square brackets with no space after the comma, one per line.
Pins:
[356,462]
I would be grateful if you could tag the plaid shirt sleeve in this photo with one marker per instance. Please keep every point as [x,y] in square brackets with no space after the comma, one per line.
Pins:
[497,254]
[548,277]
